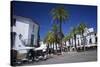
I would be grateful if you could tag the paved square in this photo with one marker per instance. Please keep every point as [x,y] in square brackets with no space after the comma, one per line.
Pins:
[70,57]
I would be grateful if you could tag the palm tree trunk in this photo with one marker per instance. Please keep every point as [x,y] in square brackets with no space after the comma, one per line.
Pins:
[53,47]
[60,27]
[48,48]
[70,44]
[75,42]
[61,46]
[66,48]
[60,30]
[56,47]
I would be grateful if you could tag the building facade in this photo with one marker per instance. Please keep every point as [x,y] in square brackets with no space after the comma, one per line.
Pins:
[88,39]
[24,33]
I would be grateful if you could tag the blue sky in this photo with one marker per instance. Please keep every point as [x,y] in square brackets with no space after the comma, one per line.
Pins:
[40,12]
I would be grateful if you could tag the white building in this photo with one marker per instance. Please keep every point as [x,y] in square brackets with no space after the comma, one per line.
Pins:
[24,33]
[90,39]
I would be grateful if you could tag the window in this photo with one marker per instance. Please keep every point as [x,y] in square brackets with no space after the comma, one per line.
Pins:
[32,40]
[90,41]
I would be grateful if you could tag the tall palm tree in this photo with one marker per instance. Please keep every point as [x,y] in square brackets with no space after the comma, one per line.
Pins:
[59,14]
[81,29]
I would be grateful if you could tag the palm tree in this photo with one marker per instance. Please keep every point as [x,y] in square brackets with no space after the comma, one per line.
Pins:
[55,33]
[81,29]
[74,33]
[70,37]
[49,40]
[66,38]
[59,14]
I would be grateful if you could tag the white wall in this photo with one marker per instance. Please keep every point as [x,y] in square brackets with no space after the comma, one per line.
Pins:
[93,39]
[20,28]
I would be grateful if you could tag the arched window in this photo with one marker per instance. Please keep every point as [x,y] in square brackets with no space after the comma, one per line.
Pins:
[90,41]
